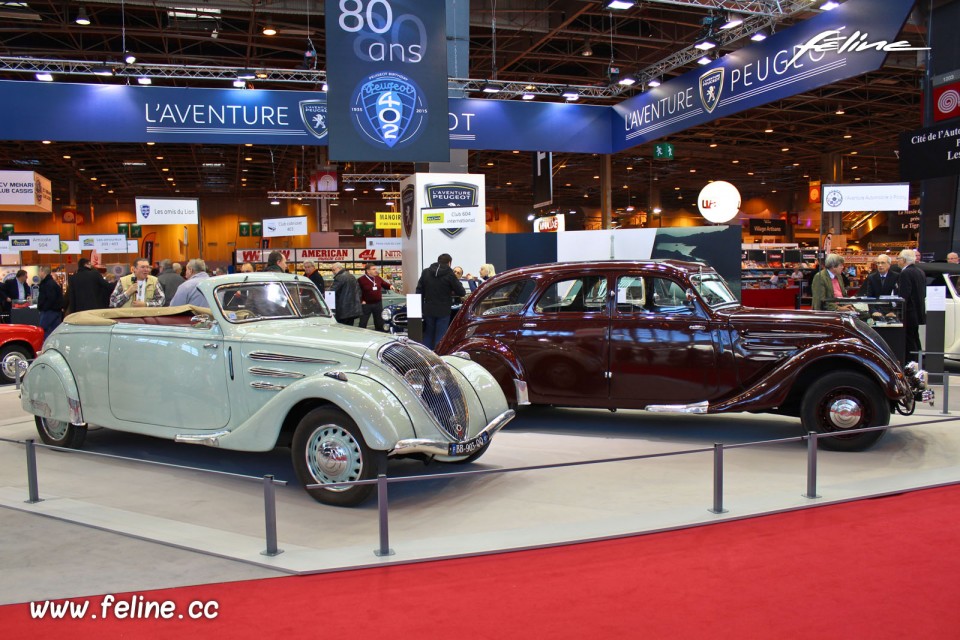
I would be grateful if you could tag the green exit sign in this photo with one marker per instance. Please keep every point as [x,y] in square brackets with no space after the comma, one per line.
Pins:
[663,151]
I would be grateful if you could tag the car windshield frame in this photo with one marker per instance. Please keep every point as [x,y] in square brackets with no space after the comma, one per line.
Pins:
[699,280]
[291,300]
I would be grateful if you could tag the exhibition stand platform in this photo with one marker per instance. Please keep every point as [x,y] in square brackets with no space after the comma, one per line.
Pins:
[182,526]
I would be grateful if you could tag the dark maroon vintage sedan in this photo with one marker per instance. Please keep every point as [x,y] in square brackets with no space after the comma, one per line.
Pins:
[670,337]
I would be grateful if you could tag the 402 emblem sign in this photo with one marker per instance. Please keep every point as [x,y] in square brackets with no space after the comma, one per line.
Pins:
[387,97]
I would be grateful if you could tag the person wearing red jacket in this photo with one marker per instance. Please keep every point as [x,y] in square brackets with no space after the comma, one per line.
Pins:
[371,295]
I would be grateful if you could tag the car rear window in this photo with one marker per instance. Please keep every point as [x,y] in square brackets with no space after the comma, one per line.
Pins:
[508,298]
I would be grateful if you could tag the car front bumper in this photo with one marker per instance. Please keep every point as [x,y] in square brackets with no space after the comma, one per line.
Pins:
[442,447]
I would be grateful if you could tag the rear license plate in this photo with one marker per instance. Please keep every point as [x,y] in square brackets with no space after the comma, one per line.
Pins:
[470,446]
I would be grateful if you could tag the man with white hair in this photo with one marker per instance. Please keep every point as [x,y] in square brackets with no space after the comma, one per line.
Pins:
[953,257]
[187,292]
[912,287]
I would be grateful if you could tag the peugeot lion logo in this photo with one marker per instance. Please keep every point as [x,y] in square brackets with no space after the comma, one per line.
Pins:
[314,116]
[711,84]
[145,211]
[407,207]
[388,108]
[454,195]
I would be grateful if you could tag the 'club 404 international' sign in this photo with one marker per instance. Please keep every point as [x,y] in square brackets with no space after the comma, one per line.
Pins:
[387,78]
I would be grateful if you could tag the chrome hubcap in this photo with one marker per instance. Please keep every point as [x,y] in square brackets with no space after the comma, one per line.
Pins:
[10,363]
[333,455]
[56,429]
[845,413]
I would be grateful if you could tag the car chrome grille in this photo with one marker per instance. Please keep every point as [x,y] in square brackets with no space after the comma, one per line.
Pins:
[432,382]
[400,319]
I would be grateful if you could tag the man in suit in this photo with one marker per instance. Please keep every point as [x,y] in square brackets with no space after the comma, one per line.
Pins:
[87,289]
[15,288]
[881,282]
[912,287]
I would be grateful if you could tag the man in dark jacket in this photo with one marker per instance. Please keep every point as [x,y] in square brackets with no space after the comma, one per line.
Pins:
[87,289]
[50,302]
[912,287]
[347,292]
[170,280]
[310,270]
[276,262]
[881,282]
[438,285]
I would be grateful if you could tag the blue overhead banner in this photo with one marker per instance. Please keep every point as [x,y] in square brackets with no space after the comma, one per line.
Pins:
[118,113]
[845,42]
[387,79]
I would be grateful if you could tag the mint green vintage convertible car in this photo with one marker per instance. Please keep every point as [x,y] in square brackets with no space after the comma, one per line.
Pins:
[265,365]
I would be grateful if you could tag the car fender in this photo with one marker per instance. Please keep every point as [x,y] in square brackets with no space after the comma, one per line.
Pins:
[49,389]
[502,353]
[377,411]
[488,392]
[774,388]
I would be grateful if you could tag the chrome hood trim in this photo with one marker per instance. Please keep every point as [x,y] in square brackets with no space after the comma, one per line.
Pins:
[267,386]
[275,373]
[441,447]
[269,356]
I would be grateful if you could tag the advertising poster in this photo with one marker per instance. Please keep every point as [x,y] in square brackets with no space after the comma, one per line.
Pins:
[168,211]
[281,227]
[442,213]
[866,197]
[41,243]
[387,97]
[104,243]
[25,191]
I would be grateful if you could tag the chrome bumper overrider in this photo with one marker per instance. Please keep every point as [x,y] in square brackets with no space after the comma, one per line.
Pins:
[917,379]
[442,447]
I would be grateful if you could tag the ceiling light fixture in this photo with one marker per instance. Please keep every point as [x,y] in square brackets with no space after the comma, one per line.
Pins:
[829,5]
[129,58]
[653,83]
[239,84]
[587,50]
[839,110]
[705,59]
[571,95]
[275,202]
[706,43]
[261,74]
[759,36]
[144,80]
[528,96]
[732,20]
[246,74]
[620,5]
[380,187]
[45,77]
[269,30]
[492,87]
[82,18]
[768,128]
[627,80]
[349,187]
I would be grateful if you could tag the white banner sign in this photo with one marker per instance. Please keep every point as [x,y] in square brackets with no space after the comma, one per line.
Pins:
[25,191]
[279,227]
[866,197]
[104,243]
[67,247]
[43,244]
[132,247]
[168,211]
[450,218]
[384,243]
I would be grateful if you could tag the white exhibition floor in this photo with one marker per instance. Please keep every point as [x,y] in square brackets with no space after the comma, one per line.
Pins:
[220,516]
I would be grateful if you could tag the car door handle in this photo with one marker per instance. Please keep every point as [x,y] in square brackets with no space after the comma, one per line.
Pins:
[210,345]
[698,327]
[529,325]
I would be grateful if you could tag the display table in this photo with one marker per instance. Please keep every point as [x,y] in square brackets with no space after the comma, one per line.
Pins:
[885,316]
[786,298]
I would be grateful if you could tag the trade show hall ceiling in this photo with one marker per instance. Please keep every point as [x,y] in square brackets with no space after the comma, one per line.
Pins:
[545,42]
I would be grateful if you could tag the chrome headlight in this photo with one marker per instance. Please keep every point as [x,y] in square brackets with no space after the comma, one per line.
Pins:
[386,314]
[416,379]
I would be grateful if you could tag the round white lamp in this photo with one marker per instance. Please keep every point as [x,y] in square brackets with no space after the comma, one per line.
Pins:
[719,202]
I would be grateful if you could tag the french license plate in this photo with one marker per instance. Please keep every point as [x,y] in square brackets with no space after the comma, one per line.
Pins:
[468,447]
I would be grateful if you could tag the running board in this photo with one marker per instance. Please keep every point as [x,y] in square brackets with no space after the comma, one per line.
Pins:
[208,439]
[696,407]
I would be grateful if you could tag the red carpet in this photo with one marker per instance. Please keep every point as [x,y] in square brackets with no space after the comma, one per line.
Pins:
[883,568]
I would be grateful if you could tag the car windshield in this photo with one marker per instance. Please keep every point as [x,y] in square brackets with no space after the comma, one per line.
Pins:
[713,290]
[246,301]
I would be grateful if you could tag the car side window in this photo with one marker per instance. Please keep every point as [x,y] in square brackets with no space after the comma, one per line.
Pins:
[509,298]
[669,297]
[631,295]
[577,295]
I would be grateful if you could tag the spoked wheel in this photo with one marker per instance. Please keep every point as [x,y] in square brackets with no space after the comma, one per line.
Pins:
[329,448]
[12,357]
[843,401]
[61,434]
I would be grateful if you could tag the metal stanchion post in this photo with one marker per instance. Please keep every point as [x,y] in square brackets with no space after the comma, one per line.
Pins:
[32,486]
[718,478]
[946,392]
[383,509]
[270,516]
[811,465]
